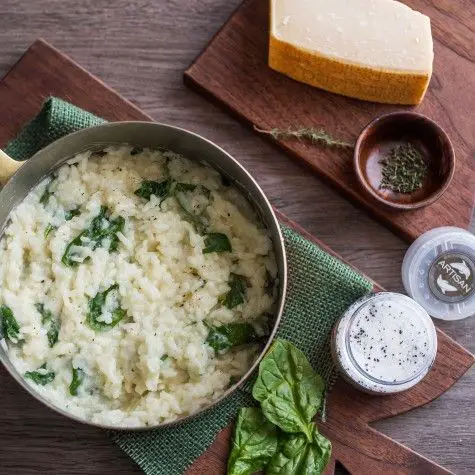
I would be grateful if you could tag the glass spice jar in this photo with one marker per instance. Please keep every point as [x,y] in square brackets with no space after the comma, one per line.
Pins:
[384,343]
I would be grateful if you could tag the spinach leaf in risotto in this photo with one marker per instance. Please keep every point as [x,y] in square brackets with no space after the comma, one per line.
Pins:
[76,381]
[217,242]
[237,291]
[41,376]
[9,325]
[101,318]
[53,325]
[102,227]
[223,337]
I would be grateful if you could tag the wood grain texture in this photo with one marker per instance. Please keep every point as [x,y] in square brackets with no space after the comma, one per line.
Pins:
[233,70]
[44,70]
[141,48]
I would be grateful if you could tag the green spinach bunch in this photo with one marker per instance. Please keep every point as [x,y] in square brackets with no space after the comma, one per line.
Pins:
[214,242]
[52,323]
[102,227]
[280,437]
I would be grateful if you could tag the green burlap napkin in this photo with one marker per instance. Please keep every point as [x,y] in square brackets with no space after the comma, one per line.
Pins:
[320,289]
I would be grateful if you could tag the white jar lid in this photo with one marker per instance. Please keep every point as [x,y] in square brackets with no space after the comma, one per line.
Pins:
[438,272]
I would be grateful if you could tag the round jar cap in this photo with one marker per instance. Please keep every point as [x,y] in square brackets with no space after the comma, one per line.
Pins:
[438,272]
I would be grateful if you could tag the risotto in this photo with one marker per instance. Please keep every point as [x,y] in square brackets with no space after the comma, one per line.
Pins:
[135,286]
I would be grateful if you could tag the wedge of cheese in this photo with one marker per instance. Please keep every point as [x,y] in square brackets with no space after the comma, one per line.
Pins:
[376,50]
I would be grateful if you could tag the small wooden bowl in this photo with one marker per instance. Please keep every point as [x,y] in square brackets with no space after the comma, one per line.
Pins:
[382,134]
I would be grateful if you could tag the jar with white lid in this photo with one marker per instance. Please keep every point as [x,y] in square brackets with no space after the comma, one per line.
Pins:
[438,272]
[384,343]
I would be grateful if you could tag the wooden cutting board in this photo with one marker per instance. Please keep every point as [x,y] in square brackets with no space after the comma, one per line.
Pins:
[233,71]
[43,71]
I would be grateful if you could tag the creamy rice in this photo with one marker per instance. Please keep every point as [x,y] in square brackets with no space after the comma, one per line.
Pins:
[157,363]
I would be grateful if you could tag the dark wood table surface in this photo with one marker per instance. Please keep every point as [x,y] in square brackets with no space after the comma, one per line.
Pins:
[140,48]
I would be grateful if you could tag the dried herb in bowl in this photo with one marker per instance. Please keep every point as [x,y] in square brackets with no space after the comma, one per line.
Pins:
[404,169]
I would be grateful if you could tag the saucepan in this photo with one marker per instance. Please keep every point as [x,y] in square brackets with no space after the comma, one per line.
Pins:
[19,178]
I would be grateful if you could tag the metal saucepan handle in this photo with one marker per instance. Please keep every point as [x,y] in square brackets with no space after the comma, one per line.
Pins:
[8,167]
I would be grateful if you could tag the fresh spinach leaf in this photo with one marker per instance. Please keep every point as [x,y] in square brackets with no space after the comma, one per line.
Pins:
[53,333]
[76,381]
[97,224]
[69,215]
[223,337]
[254,442]
[181,192]
[168,188]
[116,226]
[41,376]
[101,228]
[9,325]
[297,455]
[46,315]
[183,187]
[46,195]
[217,242]
[289,391]
[68,256]
[237,291]
[159,189]
[96,305]
[49,229]
[192,218]
[48,319]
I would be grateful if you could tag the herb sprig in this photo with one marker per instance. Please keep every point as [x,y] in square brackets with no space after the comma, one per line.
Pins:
[316,136]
